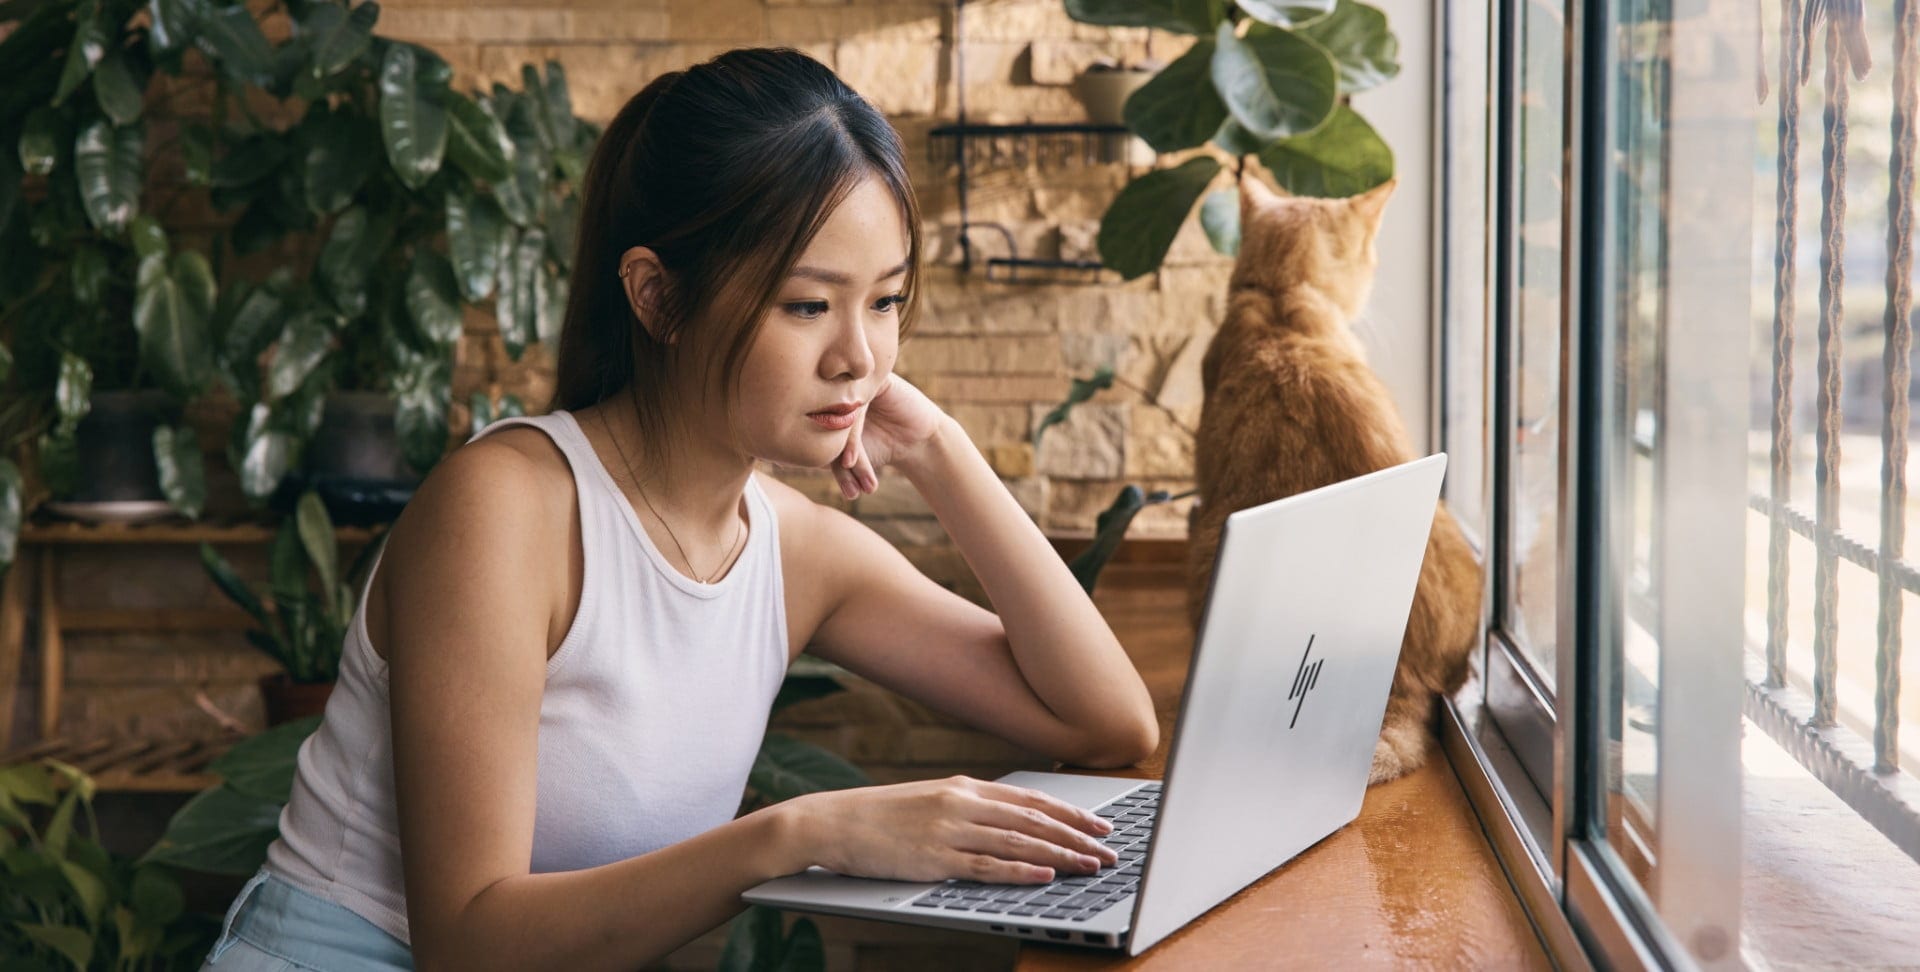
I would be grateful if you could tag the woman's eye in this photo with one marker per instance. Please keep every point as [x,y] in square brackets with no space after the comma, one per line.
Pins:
[889,302]
[807,308]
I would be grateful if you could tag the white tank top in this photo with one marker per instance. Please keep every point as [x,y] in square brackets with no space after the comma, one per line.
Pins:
[654,707]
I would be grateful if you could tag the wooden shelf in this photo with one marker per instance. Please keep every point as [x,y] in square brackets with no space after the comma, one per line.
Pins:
[135,765]
[46,530]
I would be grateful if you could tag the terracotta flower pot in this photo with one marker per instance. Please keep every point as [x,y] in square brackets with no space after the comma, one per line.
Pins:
[287,700]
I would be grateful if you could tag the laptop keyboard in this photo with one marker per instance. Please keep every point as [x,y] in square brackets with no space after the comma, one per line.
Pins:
[1075,898]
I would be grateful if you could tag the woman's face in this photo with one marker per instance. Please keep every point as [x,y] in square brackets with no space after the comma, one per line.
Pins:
[831,337]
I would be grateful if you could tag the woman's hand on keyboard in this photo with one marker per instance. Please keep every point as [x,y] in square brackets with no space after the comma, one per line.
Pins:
[958,827]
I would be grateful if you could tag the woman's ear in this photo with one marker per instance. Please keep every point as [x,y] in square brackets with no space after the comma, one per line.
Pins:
[644,278]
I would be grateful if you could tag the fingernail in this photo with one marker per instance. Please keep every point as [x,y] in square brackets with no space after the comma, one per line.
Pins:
[1090,863]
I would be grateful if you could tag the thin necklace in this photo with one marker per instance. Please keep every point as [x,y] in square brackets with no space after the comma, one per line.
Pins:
[738,529]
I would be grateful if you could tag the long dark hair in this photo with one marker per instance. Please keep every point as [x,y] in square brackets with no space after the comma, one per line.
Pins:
[726,170]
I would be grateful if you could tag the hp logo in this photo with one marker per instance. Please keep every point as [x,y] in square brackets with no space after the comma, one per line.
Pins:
[1303,681]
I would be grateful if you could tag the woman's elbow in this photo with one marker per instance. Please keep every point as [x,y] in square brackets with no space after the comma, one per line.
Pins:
[1122,747]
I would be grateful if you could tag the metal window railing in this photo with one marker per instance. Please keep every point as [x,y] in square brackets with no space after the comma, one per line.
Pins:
[1867,776]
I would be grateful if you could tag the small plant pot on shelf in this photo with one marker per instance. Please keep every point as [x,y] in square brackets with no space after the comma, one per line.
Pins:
[117,480]
[1103,91]
[287,700]
[356,462]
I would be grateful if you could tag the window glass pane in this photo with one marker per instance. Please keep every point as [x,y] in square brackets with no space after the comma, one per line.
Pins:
[1757,752]
[1464,251]
[1533,509]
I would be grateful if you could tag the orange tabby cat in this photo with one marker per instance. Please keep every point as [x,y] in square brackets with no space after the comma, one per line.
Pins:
[1291,405]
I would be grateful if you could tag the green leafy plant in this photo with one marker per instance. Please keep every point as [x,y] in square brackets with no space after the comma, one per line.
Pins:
[475,204]
[1266,78]
[66,901]
[94,296]
[398,201]
[307,622]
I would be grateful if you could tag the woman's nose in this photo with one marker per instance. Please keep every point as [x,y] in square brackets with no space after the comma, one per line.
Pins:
[851,354]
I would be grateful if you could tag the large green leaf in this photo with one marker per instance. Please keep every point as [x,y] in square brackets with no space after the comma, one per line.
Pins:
[476,141]
[1220,217]
[231,38]
[304,343]
[1286,13]
[797,688]
[107,160]
[475,227]
[155,896]
[1143,219]
[422,388]
[147,236]
[433,298]
[172,313]
[316,537]
[413,124]
[11,483]
[90,274]
[341,148]
[220,831]
[1183,16]
[88,888]
[786,768]
[1078,392]
[524,292]
[252,327]
[72,392]
[171,25]
[116,89]
[335,37]
[89,45]
[1179,108]
[1341,158]
[348,258]
[1275,83]
[1363,48]
[183,476]
[263,765]
[74,944]
[43,137]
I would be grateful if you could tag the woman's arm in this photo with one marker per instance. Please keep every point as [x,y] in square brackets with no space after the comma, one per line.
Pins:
[1062,645]
[1046,673]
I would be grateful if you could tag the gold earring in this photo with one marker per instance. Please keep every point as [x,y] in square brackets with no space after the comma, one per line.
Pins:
[623,270]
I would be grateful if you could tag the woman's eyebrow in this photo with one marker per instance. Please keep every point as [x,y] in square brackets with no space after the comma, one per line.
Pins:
[839,279]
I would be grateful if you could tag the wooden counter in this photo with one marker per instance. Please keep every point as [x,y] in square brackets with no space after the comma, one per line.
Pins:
[1411,883]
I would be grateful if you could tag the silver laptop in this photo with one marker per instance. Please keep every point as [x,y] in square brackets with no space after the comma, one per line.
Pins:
[1283,703]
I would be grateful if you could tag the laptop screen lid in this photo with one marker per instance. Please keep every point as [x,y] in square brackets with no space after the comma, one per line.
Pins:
[1287,686]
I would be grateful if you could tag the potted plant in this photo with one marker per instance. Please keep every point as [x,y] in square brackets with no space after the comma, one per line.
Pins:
[303,622]
[72,903]
[343,371]
[1271,78]
[102,323]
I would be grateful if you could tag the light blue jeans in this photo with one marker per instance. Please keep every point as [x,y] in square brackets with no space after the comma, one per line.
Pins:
[273,926]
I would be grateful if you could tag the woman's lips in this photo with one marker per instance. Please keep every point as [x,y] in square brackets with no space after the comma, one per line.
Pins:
[838,417]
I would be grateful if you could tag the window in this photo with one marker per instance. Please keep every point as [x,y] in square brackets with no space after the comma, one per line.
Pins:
[1692,374]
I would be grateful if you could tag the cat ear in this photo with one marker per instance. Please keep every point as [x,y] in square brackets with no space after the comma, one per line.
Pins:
[1255,193]
[1373,202]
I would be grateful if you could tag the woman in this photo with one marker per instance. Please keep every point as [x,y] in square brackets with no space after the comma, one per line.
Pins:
[566,655]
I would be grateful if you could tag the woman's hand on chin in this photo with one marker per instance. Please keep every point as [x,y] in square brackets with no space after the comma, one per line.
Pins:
[893,426]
